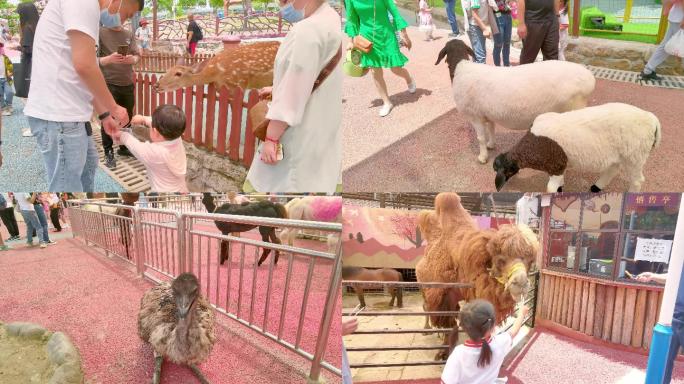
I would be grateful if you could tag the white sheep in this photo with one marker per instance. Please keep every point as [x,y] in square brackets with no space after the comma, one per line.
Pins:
[600,139]
[512,96]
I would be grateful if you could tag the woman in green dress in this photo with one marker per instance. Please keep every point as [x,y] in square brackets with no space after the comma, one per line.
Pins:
[370,19]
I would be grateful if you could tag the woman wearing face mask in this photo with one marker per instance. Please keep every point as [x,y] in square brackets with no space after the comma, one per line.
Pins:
[305,124]
[370,20]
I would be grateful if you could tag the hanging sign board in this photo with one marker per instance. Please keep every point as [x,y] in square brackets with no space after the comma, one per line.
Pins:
[653,250]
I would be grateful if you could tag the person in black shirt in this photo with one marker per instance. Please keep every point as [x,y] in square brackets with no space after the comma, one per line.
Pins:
[194,34]
[538,28]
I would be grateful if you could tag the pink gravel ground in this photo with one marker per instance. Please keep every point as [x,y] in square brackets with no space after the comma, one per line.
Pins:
[425,144]
[48,287]
[550,358]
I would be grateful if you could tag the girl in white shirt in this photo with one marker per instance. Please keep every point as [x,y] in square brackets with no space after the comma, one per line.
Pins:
[478,360]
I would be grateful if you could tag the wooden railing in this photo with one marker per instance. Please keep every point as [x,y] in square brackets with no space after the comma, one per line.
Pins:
[214,117]
[255,25]
[161,62]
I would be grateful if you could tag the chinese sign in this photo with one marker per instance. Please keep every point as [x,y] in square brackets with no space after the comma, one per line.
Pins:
[653,250]
[652,199]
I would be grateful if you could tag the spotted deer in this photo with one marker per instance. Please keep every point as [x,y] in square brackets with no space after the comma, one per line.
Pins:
[248,66]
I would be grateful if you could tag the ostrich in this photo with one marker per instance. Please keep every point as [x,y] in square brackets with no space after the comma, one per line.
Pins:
[260,209]
[179,324]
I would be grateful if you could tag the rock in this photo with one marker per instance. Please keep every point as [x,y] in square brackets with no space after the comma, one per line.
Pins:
[61,351]
[210,171]
[27,330]
[67,374]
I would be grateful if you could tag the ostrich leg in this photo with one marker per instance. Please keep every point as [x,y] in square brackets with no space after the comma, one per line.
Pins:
[275,240]
[156,376]
[199,374]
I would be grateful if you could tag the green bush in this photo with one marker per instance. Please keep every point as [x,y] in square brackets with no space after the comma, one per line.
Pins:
[610,22]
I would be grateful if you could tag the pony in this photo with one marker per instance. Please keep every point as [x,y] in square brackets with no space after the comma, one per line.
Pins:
[259,209]
[382,274]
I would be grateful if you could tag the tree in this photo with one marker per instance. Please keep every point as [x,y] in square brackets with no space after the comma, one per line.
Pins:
[406,227]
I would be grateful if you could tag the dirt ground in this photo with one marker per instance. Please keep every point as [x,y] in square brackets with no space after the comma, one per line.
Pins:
[23,361]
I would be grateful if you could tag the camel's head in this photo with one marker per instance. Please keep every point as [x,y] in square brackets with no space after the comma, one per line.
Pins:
[179,76]
[185,291]
[513,249]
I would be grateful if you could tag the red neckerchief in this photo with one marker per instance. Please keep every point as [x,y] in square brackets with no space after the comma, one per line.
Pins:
[470,343]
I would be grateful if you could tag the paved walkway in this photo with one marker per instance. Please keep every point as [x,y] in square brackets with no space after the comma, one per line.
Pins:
[95,299]
[425,144]
[550,358]
[23,168]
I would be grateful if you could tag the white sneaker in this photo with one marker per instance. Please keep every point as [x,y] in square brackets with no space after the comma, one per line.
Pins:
[43,245]
[7,112]
[412,86]
[385,110]
[27,133]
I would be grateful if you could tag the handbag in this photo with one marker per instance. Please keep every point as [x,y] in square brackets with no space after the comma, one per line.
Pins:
[362,44]
[675,46]
[257,114]
[352,64]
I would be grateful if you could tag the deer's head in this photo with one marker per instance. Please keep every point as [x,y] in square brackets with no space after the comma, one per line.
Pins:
[180,76]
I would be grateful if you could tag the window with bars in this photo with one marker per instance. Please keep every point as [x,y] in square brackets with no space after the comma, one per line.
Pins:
[611,235]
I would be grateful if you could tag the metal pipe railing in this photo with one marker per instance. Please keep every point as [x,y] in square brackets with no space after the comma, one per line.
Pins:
[166,243]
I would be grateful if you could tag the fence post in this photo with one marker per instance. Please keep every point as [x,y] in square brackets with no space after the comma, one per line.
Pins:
[180,227]
[628,11]
[662,27]
[328,314]
[576,17]
[139,242]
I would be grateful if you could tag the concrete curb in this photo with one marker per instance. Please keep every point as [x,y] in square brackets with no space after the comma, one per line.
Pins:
[61,352]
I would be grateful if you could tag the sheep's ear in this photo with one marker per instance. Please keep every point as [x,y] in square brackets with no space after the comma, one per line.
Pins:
[441,55]
[470,52]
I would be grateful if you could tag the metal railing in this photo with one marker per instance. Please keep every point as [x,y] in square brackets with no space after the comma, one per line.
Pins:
[163,243]
[529,320]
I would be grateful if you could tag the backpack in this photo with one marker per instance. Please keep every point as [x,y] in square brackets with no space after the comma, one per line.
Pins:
[200,35]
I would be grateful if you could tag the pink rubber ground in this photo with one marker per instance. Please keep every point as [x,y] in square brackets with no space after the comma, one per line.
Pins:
[550,358]
[95,299]
[425,144]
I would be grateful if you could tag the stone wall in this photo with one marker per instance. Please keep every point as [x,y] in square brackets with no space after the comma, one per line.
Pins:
[207,171]
[623,55]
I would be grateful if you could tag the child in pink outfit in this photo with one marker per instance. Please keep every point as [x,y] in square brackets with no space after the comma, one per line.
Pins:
[164,156]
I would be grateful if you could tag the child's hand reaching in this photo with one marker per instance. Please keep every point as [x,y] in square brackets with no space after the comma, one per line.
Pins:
[141,120]
[524,310]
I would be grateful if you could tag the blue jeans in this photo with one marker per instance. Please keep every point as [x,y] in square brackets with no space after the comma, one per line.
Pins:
[69,155]
[450,4]
[6,93]
[477,41]
[677,343]
[40,212]
[32,222]
[502,40]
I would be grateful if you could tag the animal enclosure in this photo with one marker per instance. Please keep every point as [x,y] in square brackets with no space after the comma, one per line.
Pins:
[291,303]
[398,315]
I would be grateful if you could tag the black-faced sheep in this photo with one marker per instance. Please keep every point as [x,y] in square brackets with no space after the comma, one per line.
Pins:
[600,139]
[512,96]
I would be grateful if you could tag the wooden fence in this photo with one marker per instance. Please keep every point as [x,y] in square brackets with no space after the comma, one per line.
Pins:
[161,62]
[214,117]
[616,312]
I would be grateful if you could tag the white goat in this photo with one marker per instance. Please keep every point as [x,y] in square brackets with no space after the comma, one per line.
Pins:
[512,96]
[600,139]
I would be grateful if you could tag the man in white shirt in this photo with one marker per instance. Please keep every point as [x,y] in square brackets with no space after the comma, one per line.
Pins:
[67,84]
[28,212]
[674,9]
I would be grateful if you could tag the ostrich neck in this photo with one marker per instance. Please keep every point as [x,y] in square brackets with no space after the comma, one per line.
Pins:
[183,325]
